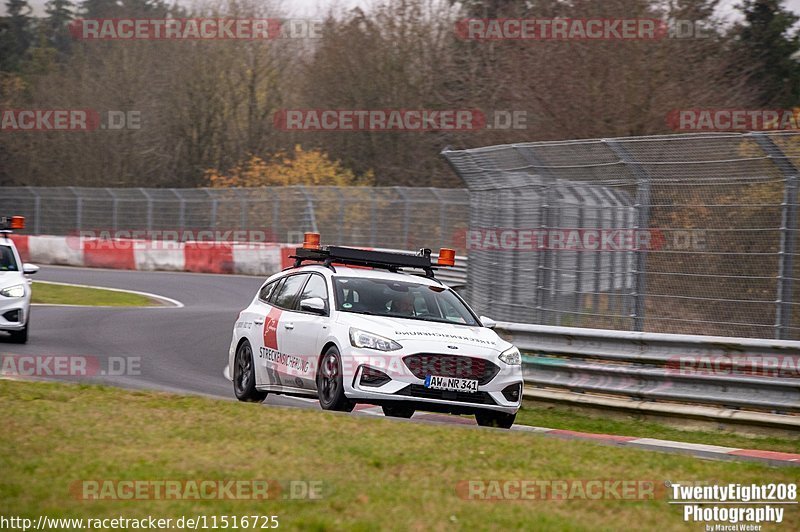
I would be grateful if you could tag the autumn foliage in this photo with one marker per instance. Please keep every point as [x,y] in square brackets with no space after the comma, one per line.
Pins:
[300,167]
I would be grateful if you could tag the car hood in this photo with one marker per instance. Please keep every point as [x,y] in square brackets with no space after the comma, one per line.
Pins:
[407,331]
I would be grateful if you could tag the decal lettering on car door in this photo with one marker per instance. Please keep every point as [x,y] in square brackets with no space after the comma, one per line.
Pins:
[271,328]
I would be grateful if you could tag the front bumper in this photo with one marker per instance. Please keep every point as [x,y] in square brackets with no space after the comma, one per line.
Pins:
[14,312]
[406,386]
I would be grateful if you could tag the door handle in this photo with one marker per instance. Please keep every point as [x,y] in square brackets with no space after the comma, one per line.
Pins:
[289,325]
[258,321]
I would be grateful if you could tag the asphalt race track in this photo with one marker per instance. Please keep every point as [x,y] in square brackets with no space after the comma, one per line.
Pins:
[182,350]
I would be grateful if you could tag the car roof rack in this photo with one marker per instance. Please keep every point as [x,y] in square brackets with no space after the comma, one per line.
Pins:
[393,261]
[386,260]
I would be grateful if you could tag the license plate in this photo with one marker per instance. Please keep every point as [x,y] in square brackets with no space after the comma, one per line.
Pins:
[451,384]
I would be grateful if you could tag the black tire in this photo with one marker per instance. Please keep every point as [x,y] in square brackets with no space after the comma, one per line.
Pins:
[330,383]
[244,376]
[20,337]
[490,418]
[400,410]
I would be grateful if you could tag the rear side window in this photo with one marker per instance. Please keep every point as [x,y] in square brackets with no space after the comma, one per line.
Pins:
[286,295]
[267,290]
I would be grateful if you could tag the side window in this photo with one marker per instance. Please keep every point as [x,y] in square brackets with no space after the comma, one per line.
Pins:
[285,296]
[315,287]
[267,290]
[7,261]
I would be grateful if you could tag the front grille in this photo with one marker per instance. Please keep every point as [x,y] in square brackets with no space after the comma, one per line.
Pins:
[416,390]
[462,367]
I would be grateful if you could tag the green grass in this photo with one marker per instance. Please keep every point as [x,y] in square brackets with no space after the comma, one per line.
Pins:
[77,295]
[562,417]
[376,473]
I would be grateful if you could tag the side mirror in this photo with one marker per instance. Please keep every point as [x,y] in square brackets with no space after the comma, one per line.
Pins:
[313,304]
[29,269]
[489,323]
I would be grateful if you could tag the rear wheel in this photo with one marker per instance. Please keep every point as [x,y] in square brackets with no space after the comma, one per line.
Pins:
[490,418]
[20,337]
[330,383]
[398,411]
[244,375]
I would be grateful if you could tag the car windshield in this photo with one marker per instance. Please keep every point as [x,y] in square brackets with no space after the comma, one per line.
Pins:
[401,299]
[7,261]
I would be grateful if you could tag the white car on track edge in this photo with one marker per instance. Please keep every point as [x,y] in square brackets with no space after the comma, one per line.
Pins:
[351,326]
[15,290]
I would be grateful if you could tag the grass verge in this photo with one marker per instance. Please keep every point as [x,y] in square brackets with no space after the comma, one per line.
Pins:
[58,294]
[563,417]
[376,473]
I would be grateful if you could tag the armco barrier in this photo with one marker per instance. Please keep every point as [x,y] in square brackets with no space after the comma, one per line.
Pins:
[248,258]
[739,373]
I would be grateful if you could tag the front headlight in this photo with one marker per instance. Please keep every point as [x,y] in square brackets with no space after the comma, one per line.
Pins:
[367,340]
[17,290]
[511,356]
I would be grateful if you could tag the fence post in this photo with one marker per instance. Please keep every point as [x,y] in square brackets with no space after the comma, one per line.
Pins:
[244,221]
[37,210]
[404,198]
[783,302]
[642,206]
[114,203]
[149,208]
[311,217]
[181,210]
[372,227]
[78,209]
[544,270]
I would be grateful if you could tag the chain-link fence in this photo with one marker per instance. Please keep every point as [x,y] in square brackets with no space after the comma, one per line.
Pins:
[679,233]
[389,217]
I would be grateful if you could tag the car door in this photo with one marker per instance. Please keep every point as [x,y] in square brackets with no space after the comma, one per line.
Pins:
[260,332]
[275,362]
[304,332]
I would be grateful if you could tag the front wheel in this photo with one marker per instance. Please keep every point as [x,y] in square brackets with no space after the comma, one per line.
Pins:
[490,418]
[330,383]
[21,336]
[244,375]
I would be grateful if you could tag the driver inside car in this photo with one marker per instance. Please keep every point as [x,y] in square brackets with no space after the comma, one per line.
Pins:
[403,305]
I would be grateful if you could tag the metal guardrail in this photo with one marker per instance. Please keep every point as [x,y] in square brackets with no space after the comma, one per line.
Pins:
[676,368]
